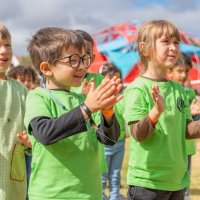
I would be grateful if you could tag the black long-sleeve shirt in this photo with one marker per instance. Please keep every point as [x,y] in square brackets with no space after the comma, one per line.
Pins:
[50,130]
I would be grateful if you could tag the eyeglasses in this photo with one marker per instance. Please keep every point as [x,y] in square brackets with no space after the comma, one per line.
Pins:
[75,60]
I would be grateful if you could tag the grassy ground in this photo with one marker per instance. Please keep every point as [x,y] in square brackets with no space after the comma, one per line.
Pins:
[195,173]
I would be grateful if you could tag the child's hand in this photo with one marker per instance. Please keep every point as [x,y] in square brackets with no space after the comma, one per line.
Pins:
[23,137]
[104,96]
[159,106]
[195,107]
[86,85]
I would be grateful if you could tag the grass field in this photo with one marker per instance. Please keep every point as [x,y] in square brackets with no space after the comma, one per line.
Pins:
[195,173]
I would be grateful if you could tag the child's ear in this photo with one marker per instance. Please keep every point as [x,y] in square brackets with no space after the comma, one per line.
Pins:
[45,68]
[143,50]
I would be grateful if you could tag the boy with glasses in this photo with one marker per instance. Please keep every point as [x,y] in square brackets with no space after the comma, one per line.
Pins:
[61,125]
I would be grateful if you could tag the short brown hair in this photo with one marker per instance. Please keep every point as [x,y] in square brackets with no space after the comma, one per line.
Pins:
[150,32]
[109,68]
[86,36]
[21,70]
[48,43]
[4,33]
[183,60]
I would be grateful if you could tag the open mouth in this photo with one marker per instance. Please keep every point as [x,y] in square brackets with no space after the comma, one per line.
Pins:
[79,76]
[3,60]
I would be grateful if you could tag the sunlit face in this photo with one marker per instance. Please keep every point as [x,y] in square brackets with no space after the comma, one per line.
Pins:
[64,76]
[26,80]
[5,54]
[167,51]
[179,73]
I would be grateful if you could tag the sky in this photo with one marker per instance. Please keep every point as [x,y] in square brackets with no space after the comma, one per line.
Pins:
[24,17]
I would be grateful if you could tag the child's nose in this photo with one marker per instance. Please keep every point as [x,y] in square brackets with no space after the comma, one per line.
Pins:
[3,49]
[173,46]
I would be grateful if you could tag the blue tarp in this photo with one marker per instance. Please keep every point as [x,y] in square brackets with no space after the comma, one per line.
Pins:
[117,51]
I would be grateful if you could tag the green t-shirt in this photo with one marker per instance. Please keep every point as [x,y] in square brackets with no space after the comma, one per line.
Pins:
[120,119]
[68,169]
[98,78]
[12,162]
[160,161]
[190,144]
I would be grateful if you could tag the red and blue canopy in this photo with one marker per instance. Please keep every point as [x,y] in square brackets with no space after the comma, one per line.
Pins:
[117,44]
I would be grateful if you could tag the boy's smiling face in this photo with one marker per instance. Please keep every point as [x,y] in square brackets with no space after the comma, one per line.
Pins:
[62,75]
[5,55]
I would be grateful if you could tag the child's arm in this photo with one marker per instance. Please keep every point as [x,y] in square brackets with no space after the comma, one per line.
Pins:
[142,129]
[108,134]
[48,131]
[103,98]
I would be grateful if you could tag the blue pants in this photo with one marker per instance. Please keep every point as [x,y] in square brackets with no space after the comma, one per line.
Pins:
[114,158]
[141,193]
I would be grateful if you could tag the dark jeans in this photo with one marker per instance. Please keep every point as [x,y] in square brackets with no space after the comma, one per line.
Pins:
[28,171]
[140,193]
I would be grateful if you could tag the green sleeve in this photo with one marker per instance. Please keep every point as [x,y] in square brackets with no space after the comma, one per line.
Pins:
[135,107]
[35,106]
[120,119]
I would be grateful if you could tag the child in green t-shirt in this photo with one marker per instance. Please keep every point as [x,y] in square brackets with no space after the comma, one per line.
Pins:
[12,106]
[179,73]
[97,78]
[158,115]
[62,124]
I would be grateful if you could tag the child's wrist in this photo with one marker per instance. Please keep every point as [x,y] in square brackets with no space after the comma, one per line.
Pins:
[108,112]
[86,110]
[154,116]
[153,121]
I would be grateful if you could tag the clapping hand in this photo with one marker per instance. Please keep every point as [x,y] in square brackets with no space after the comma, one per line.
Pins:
[105,95]
[159,106]
[86,85]
[195,107]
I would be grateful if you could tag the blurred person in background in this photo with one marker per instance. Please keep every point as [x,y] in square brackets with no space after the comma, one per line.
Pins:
[114,154]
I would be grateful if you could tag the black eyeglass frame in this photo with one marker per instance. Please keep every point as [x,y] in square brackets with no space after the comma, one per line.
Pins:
[81,59]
